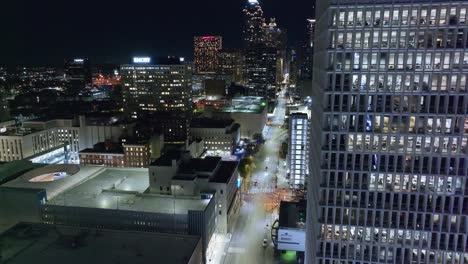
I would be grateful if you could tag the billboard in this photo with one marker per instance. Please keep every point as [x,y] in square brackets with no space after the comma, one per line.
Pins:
[291,239]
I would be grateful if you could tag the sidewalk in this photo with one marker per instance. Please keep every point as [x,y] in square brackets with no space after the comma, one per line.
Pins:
[218,247]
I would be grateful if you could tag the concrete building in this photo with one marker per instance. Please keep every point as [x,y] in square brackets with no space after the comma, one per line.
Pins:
[156,87]
[249,112]
[181,175]
[106,198]
[132,154]
[206,50]
[221,136]
[174,126]
[40,136]
[40,243]
[103,153]
[389,163]
[298,150]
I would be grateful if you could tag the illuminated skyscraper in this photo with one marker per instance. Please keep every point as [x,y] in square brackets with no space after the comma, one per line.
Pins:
[254,23]
[149,87]
[206,54]
[389,154]
[260,56]
[231,62]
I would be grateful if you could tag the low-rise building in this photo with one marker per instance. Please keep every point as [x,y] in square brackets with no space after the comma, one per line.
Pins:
[182,175]
[40,136]
[103,153]
[249,112]
[221,136]
[55,244]
[106,198]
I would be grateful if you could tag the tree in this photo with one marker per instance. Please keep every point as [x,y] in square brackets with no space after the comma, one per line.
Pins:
[245,166]
[283,150]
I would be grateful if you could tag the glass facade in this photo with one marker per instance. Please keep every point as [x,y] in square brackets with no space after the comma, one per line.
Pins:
[298,155]
[392,156]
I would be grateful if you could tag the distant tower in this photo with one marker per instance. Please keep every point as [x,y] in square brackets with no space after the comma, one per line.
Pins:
[206,53]
[77,74]
[254,22]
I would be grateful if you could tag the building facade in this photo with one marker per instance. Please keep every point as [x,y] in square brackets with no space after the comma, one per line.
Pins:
[77,74]
[298,150]
[231,62]
[151,87]
[389,159]
[206,53]
[254,21]
[220,136]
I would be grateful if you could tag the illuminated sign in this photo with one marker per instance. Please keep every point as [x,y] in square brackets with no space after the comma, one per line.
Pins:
[253,2]
[181,59]
[141,60]
[291,239]
[3,130]
[208,37]
[78,60]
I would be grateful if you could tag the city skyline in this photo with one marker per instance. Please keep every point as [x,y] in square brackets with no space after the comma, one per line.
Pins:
[113,33]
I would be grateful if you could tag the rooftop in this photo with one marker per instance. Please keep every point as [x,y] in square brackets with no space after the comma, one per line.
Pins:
[123,189]
[54,178]
[210,123]
[225,171]
[208,164]
[36,243]
[105,147]
[246,104]
[289,215]
[167,158]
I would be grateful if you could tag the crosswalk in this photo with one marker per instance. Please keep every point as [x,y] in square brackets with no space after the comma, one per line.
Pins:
[262,190]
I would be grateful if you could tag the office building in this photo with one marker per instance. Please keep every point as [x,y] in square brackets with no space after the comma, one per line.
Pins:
[128,154]
[148,86]
[231,62]
[182,176]
[388,160]
[58,140]
[206,53]
[261,69]
[221,136]
[77,74]
[174,126]
[298,149]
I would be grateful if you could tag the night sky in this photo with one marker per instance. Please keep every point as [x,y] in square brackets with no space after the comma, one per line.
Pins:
[45,32]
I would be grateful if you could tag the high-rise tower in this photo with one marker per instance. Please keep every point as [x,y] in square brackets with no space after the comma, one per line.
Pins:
[206,53]
[389,155]
[149,87]
[254,22]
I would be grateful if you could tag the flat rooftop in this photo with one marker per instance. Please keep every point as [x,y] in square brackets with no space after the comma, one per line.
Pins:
[43,178]
[18,132]
[289,214]
[37,243]
[225,172]
[123,189]
[210,123]
[194,165]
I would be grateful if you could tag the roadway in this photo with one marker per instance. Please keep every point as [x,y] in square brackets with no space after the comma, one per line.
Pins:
[260,201]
